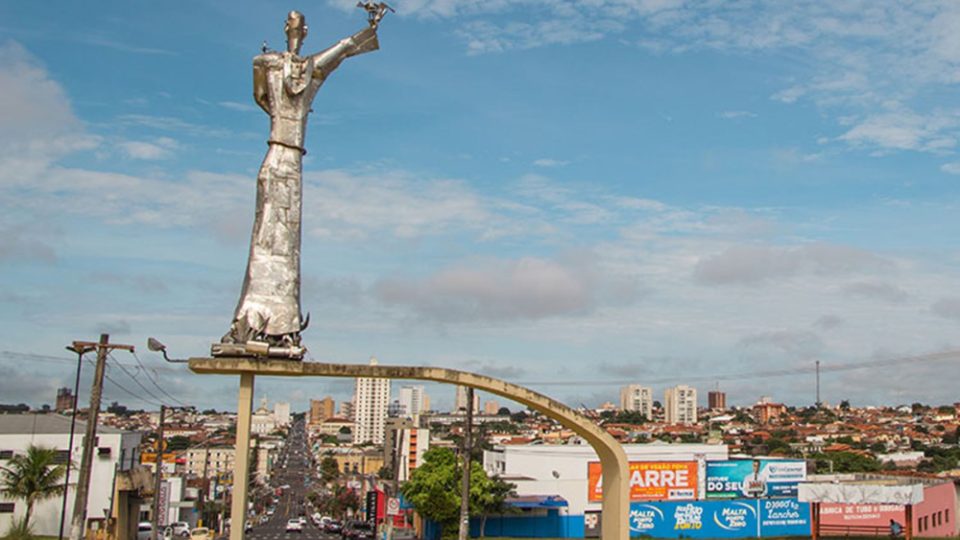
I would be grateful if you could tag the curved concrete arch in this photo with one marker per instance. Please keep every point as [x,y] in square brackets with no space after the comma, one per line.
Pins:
[616,503]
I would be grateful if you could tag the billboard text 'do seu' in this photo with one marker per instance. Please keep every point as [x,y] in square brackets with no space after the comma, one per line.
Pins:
[757,478]
[650,481]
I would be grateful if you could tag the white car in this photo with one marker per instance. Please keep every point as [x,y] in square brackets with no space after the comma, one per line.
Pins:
[294,525]
[180,528]
[144,530]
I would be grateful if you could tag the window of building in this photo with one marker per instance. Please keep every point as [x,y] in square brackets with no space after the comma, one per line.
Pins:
[62,457]
[946,515]
[7,508]
[6,454]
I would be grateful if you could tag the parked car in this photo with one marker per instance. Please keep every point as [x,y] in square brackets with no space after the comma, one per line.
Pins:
[201,533]
[332,526]
[180,528]
[144,530]
[357,530]
[248,526]
[294,525]
[264,519]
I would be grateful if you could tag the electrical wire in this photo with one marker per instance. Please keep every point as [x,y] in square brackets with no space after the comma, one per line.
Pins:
[152,380]
[132,377]
[124,388]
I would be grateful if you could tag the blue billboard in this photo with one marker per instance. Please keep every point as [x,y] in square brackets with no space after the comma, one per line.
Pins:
[756,479]
[744,518]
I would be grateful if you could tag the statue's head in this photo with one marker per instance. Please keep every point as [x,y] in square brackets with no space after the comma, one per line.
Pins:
[296,29]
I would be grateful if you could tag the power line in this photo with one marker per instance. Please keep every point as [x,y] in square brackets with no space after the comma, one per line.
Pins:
[137,381]
[152,380]
[125,389]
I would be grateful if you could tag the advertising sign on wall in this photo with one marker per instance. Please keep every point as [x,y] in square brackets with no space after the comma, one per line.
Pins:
[758,478]
[744,518]
[650,481]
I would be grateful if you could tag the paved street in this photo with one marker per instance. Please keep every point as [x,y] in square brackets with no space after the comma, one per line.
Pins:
[293,469]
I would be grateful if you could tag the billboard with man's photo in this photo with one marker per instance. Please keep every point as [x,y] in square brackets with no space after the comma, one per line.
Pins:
[754,479]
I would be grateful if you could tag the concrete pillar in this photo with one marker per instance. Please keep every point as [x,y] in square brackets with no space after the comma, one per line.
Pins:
[241,462]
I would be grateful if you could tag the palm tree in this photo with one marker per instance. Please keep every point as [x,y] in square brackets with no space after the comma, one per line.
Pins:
[33,477]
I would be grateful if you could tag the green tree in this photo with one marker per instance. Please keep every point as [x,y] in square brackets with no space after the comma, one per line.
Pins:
[434,490]
[488,496]
[177,443]
[846,462]
[33,477]
[329,470]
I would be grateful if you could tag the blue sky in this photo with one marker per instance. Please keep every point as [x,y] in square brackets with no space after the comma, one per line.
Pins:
[575,191]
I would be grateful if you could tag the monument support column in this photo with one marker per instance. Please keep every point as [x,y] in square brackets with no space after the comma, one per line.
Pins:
[241,461]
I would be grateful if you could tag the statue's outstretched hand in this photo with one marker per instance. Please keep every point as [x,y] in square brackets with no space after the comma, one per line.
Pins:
[375,11]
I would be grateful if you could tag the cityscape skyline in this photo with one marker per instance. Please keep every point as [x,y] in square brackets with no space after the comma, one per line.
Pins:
[625,191]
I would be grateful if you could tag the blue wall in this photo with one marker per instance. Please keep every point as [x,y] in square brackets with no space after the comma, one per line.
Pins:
[740,518]
[552,525]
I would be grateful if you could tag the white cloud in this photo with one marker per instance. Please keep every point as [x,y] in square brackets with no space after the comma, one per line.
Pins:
[732,115]
[160,148]
[549,162]
[948,308]
[904,130]
[503,290]
[886,292]
[951,168]
[748,264]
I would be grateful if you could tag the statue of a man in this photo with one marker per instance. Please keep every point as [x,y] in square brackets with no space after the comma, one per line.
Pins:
[268,319]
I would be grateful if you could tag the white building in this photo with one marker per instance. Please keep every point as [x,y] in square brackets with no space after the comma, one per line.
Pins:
[263,421]
[635,397]
[411,400]
[116,450]
[562,469]
[281,414]
[462,400]
[371,398]
[680,405]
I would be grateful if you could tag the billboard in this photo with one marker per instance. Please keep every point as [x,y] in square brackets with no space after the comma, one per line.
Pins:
[650,481]
[756,479]
[742,518]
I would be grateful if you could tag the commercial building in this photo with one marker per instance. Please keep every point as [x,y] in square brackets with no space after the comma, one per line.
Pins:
[65,400]
[411,400]
[717,400]
[404,446]
[116,452]
[321,410]
[680,405]
[281,413]
[565,470]
[635,397]
[491,407]
[461,404]
[371,399]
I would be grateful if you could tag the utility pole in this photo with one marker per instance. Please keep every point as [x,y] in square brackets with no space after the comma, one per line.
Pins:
[80,351]
[158,476]
[464,532]
[103,347]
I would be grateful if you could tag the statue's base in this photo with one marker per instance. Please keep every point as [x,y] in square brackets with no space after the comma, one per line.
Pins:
[257,350]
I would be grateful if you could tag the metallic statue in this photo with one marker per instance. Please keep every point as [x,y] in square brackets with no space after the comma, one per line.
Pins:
[267,321]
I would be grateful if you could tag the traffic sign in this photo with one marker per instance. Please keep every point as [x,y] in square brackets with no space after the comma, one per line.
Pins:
[393,506]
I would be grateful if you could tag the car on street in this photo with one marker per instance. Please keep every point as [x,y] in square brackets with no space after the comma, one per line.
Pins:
[180,528]
[357,530]
[264,519]
[201,533]
[333,526]
[144,530]
[294,525]
[248,526]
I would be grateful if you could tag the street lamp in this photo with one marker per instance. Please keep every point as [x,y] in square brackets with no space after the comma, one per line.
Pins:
[154,345]
[80,350]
